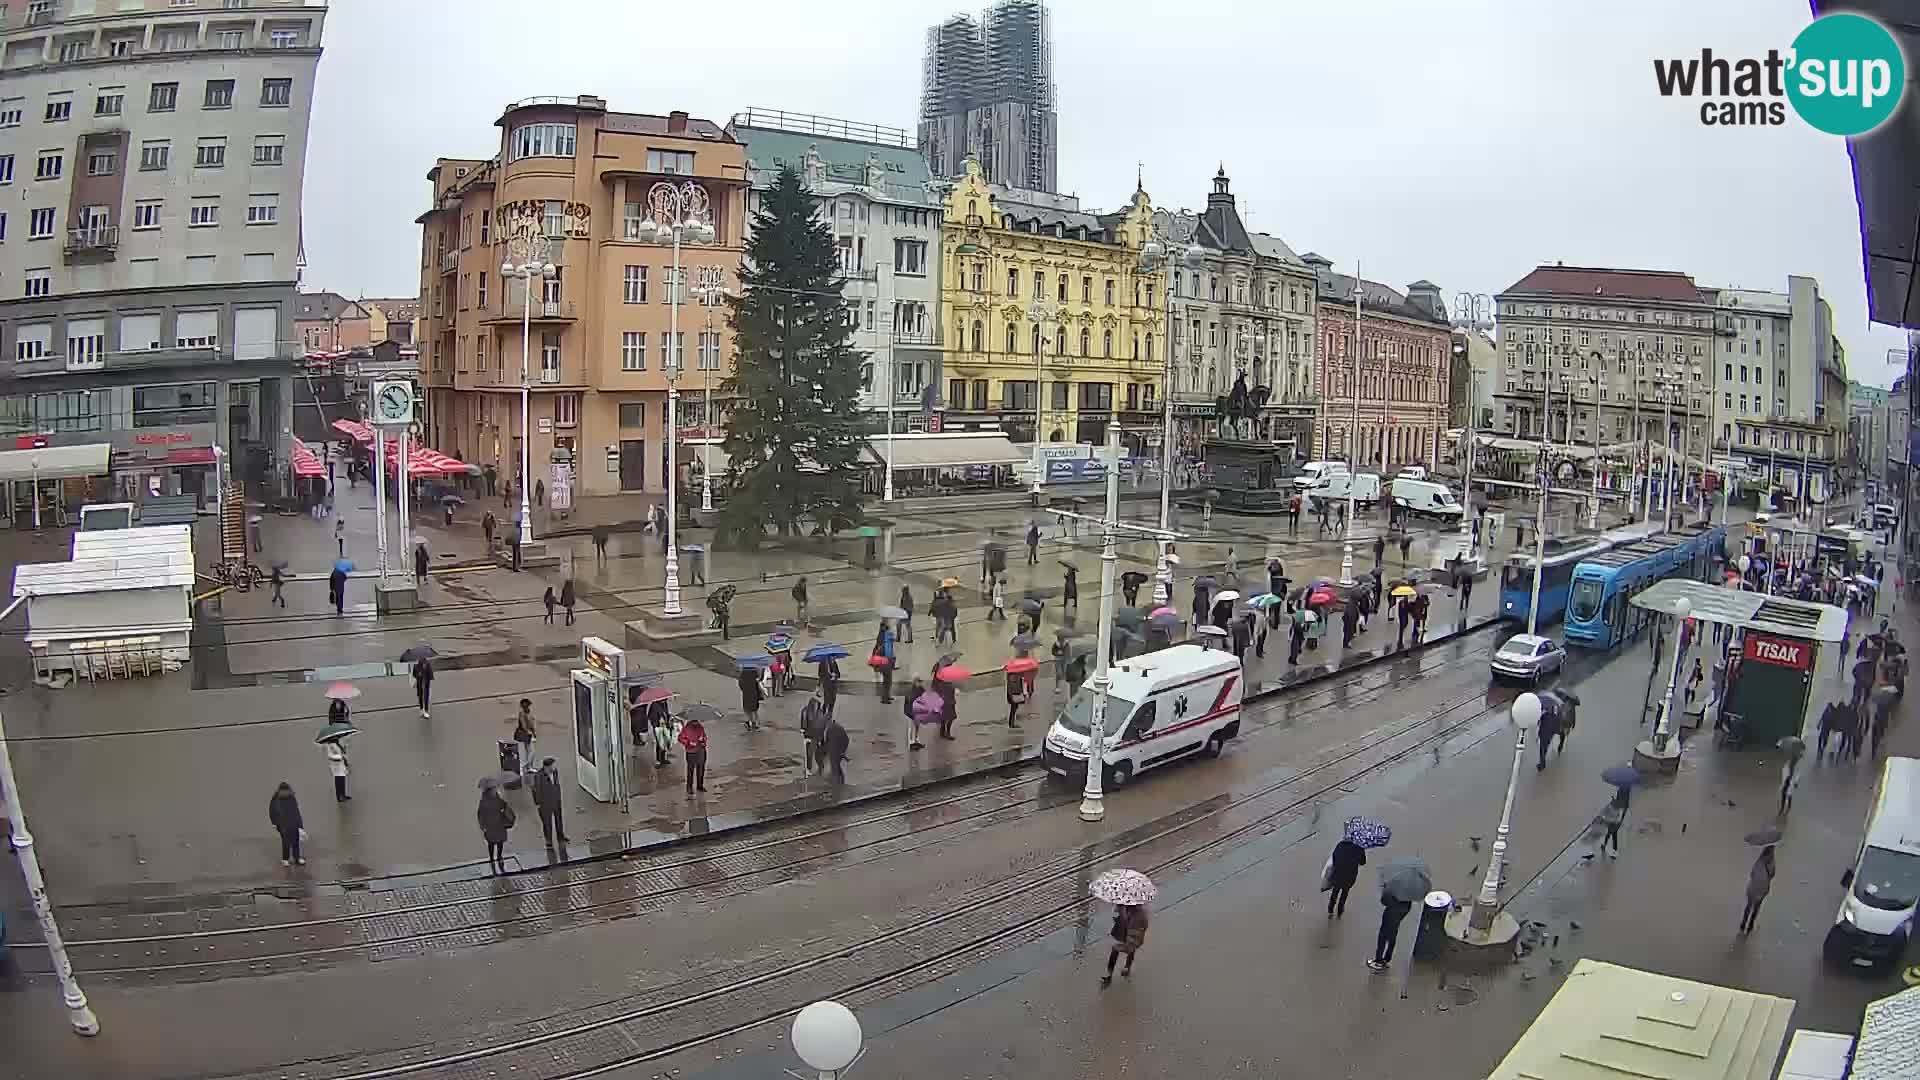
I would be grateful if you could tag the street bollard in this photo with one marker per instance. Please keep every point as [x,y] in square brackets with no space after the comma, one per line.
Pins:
[1431,937]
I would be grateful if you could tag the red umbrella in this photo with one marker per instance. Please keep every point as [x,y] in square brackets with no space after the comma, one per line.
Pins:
[1321,596]
[1020,665]
[653,694]
[952,673]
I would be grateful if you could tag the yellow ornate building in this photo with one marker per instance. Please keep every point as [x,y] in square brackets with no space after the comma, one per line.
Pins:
[1047,311]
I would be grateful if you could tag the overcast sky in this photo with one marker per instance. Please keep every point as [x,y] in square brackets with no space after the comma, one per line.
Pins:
[1462,142]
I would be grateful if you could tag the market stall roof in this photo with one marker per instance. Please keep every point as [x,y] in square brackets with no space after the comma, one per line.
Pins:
[354,429]
[949,450]
[174,539]
[55,462]
[1743,607]
[111,560]
[305,461]
[1889,1044]
[1608,1020]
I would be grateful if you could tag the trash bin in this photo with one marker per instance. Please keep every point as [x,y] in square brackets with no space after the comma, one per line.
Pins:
[1431,938]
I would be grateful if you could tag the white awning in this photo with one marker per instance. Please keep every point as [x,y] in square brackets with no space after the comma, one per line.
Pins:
[175,541]
[55,462]
[948,451]
[127,572]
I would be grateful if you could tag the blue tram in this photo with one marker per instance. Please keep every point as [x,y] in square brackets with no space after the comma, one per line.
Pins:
[1562,555]
[1599,615]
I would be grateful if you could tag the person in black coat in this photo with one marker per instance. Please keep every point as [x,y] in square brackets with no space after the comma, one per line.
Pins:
[337,590]
[1070,591]
[423,684]
[567,599]
[283,810]
[1343,869]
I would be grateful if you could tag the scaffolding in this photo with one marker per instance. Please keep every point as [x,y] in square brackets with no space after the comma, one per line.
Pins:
[987,91]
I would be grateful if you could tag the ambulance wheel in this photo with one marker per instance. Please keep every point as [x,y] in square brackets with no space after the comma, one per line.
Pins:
[1116,776]
[1215,744]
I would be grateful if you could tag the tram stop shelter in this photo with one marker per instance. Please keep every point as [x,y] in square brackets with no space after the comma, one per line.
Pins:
[1769,681]
[1608,1020]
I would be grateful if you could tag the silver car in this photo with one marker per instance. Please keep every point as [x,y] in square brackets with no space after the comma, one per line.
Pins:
[1528,656]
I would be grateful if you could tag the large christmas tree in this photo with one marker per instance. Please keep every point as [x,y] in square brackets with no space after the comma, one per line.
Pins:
[795,435]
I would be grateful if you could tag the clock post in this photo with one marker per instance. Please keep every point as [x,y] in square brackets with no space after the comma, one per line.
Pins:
[393,409]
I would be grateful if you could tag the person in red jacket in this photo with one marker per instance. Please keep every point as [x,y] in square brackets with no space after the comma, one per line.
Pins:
[693,739]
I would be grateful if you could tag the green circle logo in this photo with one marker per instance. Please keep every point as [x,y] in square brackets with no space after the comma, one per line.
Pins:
[1847,74]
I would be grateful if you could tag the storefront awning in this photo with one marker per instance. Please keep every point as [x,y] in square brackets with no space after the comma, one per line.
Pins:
[949,451]
[1781,615]
[55,462]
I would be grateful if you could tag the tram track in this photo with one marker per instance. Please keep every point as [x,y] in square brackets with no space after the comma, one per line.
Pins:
[616,1036]
[418,920]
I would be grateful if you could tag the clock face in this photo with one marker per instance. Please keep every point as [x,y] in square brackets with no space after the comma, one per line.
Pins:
[393,402]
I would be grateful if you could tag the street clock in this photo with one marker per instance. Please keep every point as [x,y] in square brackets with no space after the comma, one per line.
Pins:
[393,403]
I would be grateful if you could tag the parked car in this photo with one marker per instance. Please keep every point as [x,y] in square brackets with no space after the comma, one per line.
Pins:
[1529,657]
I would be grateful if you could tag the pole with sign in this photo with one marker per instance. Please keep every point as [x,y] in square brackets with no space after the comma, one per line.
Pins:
[600,750]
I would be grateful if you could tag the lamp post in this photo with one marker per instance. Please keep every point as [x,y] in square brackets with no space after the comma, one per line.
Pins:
[534,265]
[827,1037]
[1540,520]
[675,212]
[1353,447]
[1659,753]
[1041,313]
[709,285]
[1526,714]
[1593,501]
[1171,256]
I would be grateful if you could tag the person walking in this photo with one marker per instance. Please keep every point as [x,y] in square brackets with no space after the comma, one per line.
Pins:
[540,494]
[1343,869]
[829,676]
[423,685]
[907,697]
[800,601]
[813,729]
[1882,700]
[283,811]
[1380,550]
[997,612]
[340,535]
[949,707]
[488,523]
[1293,515]
[1406,548]
[1463,583]
[693,739]
[1552,726]
[1070,591]
[882,661]
[1392,913]
[1422,607]
[523,732]
[1759,884]
[1832,721]
[906,605]
[1613,817]
[600,536]
[1298,638]
[1033,544]
[1852,732]
[833,744]
[944,612]
[337,590]
[1019,689]
[513,544]
[750,696]
[1349,622]
[546,800]
[1694,678]
[547,598]
[1402,618]
[496,817]
[567,599]
[278,580]
[338,765]
[1129,932]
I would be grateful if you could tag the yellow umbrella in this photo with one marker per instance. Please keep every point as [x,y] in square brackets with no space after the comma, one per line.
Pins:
[949,583]
[1402,590]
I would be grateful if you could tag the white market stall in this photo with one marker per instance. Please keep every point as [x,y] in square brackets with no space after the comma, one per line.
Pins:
[122,606]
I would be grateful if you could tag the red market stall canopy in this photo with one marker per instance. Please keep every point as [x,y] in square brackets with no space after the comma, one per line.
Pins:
[305,461]
[355,430]
[422,460]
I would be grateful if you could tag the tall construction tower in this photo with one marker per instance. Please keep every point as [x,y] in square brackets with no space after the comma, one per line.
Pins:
[987,92]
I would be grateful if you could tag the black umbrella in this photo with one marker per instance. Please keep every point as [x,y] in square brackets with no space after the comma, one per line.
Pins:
[1206,581]
[1029,605]
[1764,837]
[414,653]
[1129,616]
[1406,880]
[1066,633]
[701,711]
[1621,776]
[1024,642]
[1132,579]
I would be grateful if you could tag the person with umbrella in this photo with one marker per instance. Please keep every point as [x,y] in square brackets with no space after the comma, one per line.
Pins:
[693,739]
[882,659]
[1760,877]
[1401,883]
[1298,635]
[1553,725]
[813,729]
[910,708]
[423,680]
[496,817]
[1349,621]
[1033,543]
[833,746]
[750,695]
[338,765]
[1070,588]
[547,801]
[567,599]
[523,733]
[1030,608]
[944,677]
[1343,870]
[337,586]
[1463,584]
[1130,583]
[283,812]
[828,667]
[720,602]
[1614,816]
[1129,891]
[1019,686]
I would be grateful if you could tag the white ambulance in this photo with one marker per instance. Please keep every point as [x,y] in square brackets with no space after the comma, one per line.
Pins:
[1161,706]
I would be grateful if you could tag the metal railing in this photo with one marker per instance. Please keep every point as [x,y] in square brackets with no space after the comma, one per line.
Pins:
[929,336]
[449,260]
[827,126]
[93,238]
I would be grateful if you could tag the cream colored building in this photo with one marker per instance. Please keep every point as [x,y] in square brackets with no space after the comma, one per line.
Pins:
[580,181]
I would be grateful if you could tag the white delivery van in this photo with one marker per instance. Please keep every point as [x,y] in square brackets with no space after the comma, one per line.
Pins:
[1314,473]
[1412,472]
[1883,888]
[1365,488]
[1161,706]
[1426,498]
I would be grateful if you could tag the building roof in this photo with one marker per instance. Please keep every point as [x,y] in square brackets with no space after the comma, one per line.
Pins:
[1751,300]
[648,124]
[844,162]
[1336,290]
[1044,218]
[1889,1046]
[327,305]
[1660,286]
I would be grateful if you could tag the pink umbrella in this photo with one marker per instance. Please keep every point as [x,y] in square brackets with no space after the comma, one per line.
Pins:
[952,673]
[1162,610]
[1020,665]
[653,694]
[343,691]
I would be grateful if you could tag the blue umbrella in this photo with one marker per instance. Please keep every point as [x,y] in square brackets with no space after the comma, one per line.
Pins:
[1367,832]
[783,630]
[345,566]
[822,653]
[753,661]
[1620,776]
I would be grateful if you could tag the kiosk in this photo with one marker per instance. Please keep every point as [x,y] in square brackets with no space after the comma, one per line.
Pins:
[599,733]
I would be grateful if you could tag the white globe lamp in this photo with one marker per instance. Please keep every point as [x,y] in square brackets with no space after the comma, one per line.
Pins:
[827,1037]
[1526,711]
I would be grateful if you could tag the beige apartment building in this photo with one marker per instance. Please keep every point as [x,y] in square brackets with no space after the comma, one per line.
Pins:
[577,184]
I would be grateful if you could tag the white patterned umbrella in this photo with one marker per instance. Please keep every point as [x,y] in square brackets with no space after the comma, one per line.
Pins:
[1127,887]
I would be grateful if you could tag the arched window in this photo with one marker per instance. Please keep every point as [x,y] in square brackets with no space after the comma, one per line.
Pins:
[1060,342]
[1010,339]
[1086,342]
[1036,339]
[1148,355]
[979,337]
[1106,343]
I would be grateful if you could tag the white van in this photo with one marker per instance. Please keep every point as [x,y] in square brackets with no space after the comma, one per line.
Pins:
[1426,498]
[1161,706]
[1883,888]
[1314,473]
[1365,487]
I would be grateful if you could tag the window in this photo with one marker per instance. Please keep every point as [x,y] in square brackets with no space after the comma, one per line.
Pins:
[74,50]
[139,333]
[1013,282]
[10,110]
[175,405]
[480,352]
[549,357]
[1086,342]
[119,46]
[154,155]
[1061,295]
[979,336]
[6,168]
[49,166]
[1011,343]
[210,153]
[480,288]
[40,224]
[30,342]
[553,219]
[486,229]
[710,350]
[39,282]
[146,214]
[58,109]
[1059,395]
[675,163]
[103,163]
[1148,354]
[1109,292]
[110,101]
[566,410]
[541,140]
[269,149]
[633,414]
[634,284]
[263,209]
[633,352]
[219,94]
[283,39]
[229,39]
[276,93]
[1039,285]
[1106,344]
[910,256]
[203,213]
[1086,290]
[3,227]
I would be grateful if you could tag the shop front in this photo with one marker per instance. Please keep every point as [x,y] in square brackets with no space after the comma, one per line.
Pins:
[47,485]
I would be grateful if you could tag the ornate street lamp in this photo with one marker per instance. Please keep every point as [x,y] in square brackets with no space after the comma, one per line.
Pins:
[534,264]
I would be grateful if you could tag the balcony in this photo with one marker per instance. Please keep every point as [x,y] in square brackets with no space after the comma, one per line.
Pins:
[449,261]
[507,310]
[860,273]
[925,337]
[97,241]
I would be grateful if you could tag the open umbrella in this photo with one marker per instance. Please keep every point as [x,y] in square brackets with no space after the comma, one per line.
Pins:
[952,673]
[701,711]
[821,653]
[653,695]
[1265,600]
[345,566]
[1405,880]
[1023,642]
[422,651]
[1226,596]
[1321,596]
[496,780]
[1129,616]
[335,733]
[1367,832]
[892,613]
[1399,591]
[1064,633]
[1210,630]
[1129,887]
[1021,664]
[1794,746]
[1132,579]
[1764,837]
[1621,776]
[925,707]
[1029,605]
[341,691]
[784,630]
[723,595]
[950,583]
[1206,581]
[752,661]
[1165,620]
[280,564]
[945,659]
[1308,615]
[1162,610]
